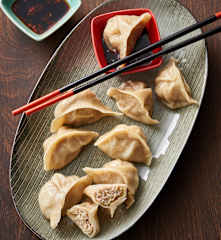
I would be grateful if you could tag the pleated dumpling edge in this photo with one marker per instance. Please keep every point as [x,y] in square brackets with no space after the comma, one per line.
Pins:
[171,87]
[125,142]
[135,100]
[122,31]
[79,110]
[59,193]
[63,147]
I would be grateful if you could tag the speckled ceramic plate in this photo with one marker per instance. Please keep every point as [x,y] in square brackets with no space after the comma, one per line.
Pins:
[74,59]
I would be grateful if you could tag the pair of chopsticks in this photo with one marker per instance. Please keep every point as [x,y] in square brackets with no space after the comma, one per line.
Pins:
[68,90]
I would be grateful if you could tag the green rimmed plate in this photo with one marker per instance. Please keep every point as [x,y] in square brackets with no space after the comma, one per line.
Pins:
[74,59]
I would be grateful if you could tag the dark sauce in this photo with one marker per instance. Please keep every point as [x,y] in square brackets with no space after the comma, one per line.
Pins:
[40,15]
[142,42]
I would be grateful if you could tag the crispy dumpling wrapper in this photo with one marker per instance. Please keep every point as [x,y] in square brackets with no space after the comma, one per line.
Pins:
[116,172]
[171,87]
[134,100]
[127,143]
[59,193]
[80,109]
[108,196]
[64,146]
[122,31]
[84,215]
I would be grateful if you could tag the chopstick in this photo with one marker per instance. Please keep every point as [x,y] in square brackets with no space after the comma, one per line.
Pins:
[61,93]
[128,67]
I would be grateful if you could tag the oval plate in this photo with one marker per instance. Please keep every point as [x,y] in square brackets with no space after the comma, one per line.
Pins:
[74,59]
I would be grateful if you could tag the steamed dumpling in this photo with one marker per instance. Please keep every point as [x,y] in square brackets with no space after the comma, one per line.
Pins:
[64,146]
[122,31]
[134,100]
[108,196]
[171,87]
[127,143]
[80,109]
[59,194]
[84,215]
[116,172]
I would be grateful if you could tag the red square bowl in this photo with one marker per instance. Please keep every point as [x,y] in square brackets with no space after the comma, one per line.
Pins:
[98,24]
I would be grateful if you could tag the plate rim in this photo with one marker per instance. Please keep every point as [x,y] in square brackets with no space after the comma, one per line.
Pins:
[23,117]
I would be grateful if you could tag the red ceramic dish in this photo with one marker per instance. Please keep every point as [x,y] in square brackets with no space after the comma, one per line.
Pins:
[98,24]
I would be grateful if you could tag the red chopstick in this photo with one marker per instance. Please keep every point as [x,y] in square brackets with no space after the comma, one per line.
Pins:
[58,95]
[36,102]
[50,102]
[218,15]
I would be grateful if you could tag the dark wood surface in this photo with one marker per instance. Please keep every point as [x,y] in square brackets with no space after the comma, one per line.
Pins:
[189,206]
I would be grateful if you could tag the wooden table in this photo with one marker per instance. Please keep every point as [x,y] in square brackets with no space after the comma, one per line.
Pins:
[189,207]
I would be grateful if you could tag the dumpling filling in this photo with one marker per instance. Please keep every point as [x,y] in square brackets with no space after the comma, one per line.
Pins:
[84,215]
[59,193]
[108,196]
[117,172]
[82,220]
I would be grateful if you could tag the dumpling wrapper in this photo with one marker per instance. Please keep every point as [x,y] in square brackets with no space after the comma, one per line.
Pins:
[84,215]
[122,31]
[127,143]
[134,100]
[59,194]
[80,109]
[171,87]
[119,172]
[108,196]
[64,146]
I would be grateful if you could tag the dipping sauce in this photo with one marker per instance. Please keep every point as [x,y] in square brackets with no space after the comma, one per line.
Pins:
[40,15]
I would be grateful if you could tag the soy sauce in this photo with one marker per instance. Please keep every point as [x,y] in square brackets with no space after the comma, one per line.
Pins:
[142,42]
[40,15]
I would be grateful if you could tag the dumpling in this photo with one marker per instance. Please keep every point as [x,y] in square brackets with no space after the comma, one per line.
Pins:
[60,193]
[84,215]
[122,31]
[108,196]
[127,143]
[134,100]
[80,109]
[171,87]
[64,146]
[116,171]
